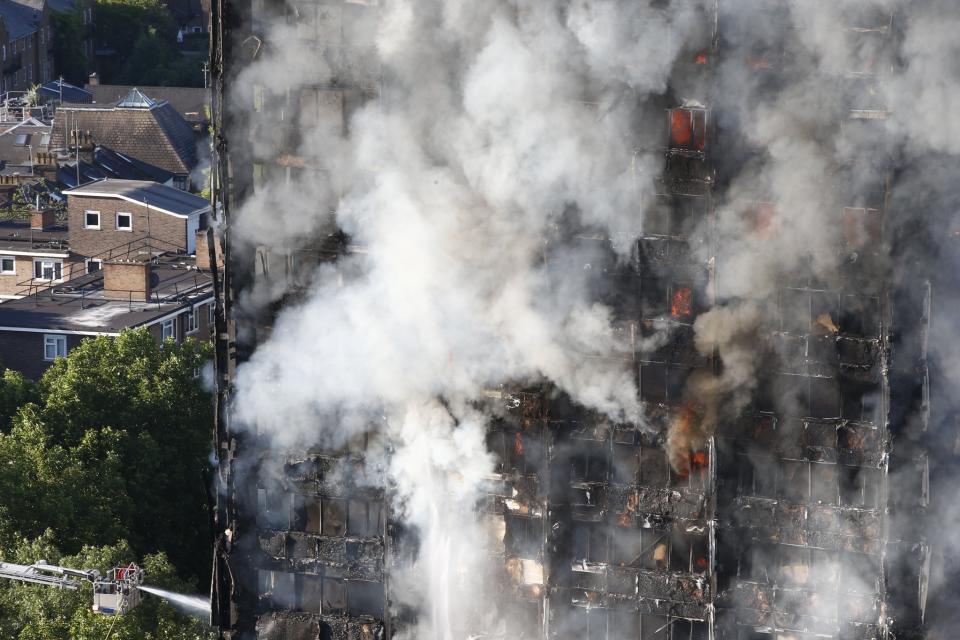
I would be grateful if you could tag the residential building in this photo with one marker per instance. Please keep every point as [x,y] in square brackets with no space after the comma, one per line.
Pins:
[164,292]
[108,214]
[26,44]
[34,255]
[138,126]
[191,16]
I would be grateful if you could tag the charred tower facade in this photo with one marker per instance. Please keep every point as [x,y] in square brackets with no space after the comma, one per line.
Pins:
[785,503]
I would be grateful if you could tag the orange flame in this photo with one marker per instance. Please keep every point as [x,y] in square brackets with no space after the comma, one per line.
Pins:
[518,444]
[626,518]
[680,307]
[681,127]
[701,58]
[699,460]
[682,432]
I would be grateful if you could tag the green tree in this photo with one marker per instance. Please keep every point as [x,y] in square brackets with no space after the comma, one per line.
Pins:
[78,493]
[68,57]
[129,402]
[143,35]
[16,390]
[106,459]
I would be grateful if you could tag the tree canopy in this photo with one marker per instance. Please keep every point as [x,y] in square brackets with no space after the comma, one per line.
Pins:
[104,461]
[142,35]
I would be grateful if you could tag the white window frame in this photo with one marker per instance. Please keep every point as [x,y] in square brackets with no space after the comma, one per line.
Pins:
[13,270]
[42,262]
[88,262]
[90,226]
[117,221]
[211,313]
[168,329]
[58,343]
[192,320]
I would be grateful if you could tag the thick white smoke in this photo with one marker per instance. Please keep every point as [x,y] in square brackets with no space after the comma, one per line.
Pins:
[497,120]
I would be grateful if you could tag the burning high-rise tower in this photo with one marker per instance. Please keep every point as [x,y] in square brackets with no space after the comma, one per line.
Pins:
[572,319]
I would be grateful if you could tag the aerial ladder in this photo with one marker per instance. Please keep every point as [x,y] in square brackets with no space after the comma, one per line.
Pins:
[117,593]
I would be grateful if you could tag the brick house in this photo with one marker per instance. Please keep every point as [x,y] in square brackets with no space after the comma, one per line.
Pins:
[169,294]
[106,215]
[26,44]
[33,255]
[138,126]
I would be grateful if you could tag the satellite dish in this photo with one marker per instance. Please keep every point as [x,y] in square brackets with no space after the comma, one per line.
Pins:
[154,280]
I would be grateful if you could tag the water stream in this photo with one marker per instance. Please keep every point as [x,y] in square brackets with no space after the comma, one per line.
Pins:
[193,605]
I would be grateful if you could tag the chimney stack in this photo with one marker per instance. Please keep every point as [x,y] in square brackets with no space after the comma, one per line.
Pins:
[203,250]
[93,80]
[126,280]
[42,220]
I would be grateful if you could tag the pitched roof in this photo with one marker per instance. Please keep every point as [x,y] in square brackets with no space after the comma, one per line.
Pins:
[191,102]
[21,17]
[108,163]
[65,92]
[156,134]
[155,196]
[19,146]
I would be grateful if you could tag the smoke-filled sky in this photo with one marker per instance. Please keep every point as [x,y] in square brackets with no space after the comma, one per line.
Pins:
[478,143]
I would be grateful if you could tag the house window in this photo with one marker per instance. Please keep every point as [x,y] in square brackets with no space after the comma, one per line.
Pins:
[193,320]
[168,329]
[94,265]
[8,264]
[211,313]
[44,269]
[124,222]
[91,219]
[54,346]
[4,53]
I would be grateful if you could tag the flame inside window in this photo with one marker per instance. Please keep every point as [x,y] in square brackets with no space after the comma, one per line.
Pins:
[681,128]
[518,444]
[688,128]
[681,305]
